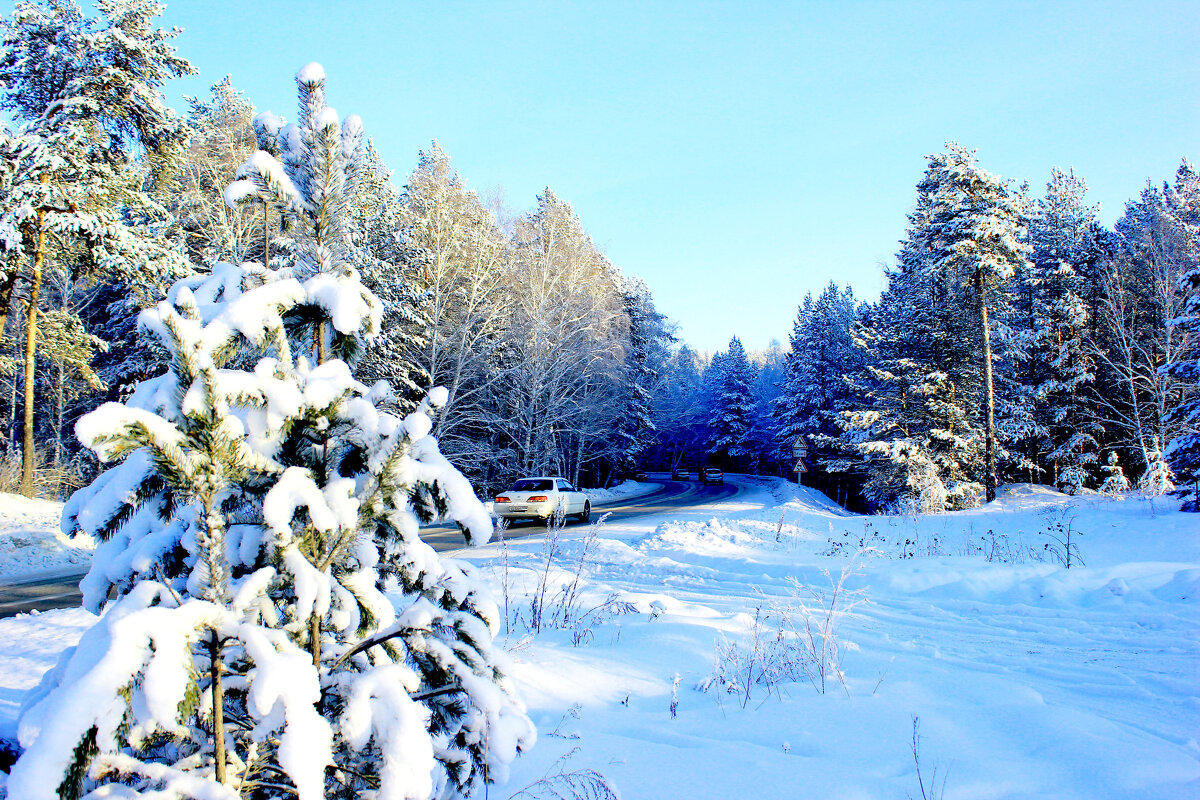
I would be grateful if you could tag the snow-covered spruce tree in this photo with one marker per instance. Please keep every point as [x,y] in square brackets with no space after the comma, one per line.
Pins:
[1183,452]
[250,532]
[645,359]
[815,389]
[731,417]
[1058,368]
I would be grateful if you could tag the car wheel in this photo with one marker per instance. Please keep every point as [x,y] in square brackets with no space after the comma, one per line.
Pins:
[586,514]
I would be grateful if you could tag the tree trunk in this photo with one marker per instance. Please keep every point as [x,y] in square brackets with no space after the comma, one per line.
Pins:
[218,706]
[314,639]
[35,285]
[59,402]
[989,396]
[322,351]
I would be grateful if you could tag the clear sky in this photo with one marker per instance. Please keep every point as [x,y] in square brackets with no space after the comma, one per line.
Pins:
[735,155]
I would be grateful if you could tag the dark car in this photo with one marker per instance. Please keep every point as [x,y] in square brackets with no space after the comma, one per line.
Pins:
[712,475]
[681,474]
[640,477]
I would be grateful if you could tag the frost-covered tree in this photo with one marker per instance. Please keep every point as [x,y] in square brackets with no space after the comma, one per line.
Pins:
[914,432]
[565,352]
[461,268]
[731,416]
[278,626]
[1183,451]
[1057,368]
[391,271]
[1156,246]
[975,236]
[1115,483]
[86,93]
[220,137]
[816,389]
[679,416]
[645,360]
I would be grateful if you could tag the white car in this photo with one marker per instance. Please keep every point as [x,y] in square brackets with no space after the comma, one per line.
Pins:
[541,498]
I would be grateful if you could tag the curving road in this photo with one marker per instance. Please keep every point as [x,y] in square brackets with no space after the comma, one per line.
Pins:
[62,591]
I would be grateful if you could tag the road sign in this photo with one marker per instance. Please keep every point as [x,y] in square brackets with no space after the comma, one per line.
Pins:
[800,467]
[799,448]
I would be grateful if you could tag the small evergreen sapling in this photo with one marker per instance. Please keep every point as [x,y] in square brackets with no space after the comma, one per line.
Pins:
[1116,484]
[278,626]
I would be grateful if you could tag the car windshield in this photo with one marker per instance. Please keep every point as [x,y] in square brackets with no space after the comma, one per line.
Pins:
[533,485]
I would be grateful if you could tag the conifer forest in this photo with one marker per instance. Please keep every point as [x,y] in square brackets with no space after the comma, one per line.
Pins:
[253,359]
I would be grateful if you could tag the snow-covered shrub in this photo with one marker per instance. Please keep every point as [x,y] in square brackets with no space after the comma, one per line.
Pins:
[1063,544]
[558,599]
[791,640]
[276,624]
[1071,480]
[1115,484]
[1158,479]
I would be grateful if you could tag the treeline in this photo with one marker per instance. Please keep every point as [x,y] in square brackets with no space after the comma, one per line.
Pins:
[1018,339]
[550,354]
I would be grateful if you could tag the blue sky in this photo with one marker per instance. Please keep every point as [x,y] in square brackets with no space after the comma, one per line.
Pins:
[734,155]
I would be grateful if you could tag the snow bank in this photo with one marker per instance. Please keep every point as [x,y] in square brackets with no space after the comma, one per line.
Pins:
[626,490]
[31,543]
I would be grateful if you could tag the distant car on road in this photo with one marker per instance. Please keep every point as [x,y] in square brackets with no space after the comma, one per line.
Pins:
[712,475]
[681,474]
[540,498]
[640,477]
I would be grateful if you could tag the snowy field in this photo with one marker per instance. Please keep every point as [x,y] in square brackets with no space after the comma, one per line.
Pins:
[676,665]
[30,541]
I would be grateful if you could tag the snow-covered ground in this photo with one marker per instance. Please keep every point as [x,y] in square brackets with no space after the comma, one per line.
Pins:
[1028,680]
[31,543]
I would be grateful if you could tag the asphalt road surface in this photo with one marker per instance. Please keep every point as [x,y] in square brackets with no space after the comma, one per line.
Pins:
[62,591]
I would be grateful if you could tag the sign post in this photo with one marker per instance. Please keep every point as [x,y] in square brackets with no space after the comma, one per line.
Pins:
[799,450]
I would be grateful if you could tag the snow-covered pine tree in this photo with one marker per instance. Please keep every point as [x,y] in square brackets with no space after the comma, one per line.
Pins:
[976,234]
[915,434]
[86,91]
[263,507]
[731,418]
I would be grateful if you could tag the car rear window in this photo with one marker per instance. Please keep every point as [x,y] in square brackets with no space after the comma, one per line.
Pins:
[533,485]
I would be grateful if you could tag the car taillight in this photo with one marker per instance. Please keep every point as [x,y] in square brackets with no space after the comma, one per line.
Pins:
[503,499]
[538,498]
